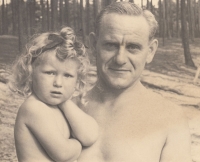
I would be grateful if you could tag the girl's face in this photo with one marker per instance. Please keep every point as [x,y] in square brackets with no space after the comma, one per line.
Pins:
[54,81]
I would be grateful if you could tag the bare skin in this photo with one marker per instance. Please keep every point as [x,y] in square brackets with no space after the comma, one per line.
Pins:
[42,133]
[47,120]
[135,124]
[138,126]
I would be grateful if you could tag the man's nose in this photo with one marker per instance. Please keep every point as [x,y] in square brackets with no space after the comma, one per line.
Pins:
[120,57]
[57,81]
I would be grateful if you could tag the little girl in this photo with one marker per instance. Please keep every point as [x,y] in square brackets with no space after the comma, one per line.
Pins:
[52,70]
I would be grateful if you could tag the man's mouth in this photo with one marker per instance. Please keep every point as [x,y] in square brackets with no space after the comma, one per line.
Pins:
[119,69]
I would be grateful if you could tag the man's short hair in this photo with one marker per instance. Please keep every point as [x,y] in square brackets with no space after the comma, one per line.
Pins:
[127,8]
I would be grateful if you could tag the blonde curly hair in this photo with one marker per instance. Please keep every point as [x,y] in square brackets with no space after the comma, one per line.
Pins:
[63,43]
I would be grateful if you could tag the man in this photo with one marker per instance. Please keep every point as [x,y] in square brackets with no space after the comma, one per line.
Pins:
[136,125]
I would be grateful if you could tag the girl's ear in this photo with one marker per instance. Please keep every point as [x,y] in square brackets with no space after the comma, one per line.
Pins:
[92,42]
[76,91]
[152,50]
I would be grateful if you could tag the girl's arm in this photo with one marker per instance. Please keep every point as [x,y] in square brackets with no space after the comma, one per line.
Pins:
[41,123]
[84,127]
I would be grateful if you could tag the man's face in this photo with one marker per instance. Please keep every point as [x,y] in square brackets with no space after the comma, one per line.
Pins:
[54,81]
[122,50]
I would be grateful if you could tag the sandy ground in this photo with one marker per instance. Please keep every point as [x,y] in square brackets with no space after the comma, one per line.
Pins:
[167,75]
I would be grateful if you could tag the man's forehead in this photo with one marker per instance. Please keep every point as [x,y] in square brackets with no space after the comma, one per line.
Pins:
[122,22]
[114,17]
[127,26]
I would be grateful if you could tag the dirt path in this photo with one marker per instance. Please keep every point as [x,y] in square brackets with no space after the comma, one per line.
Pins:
[9,104]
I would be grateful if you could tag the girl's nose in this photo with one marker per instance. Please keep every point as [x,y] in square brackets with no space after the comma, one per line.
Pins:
[57,81]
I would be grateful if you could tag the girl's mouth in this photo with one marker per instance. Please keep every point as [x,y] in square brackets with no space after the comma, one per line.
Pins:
[56,92]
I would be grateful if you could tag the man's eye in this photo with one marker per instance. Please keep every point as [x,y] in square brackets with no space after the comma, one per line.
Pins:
[111,46]
[132,47]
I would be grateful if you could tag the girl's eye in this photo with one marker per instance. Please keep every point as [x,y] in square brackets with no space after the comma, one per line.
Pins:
[50,73]
[68,76]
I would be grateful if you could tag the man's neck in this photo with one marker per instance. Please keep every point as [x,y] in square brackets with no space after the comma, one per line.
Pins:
[106,93]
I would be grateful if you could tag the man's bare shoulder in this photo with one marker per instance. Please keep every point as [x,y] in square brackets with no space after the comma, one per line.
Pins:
[170,111]
[177,146]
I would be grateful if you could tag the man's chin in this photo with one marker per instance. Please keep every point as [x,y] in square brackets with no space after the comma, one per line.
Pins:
[118,85]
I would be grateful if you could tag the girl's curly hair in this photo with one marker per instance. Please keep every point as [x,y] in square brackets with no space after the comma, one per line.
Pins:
[64,44]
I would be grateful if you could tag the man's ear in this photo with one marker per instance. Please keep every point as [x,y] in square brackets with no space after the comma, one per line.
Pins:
[152,50]
[92,42]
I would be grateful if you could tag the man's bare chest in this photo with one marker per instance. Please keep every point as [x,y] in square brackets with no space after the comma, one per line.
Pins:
[119,146]
[126,138]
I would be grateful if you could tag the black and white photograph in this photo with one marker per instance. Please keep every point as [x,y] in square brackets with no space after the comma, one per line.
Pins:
[100,80]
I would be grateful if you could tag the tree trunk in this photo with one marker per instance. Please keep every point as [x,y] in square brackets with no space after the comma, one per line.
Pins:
[177,19]
[167,11]
[88,16]
[195,18]
[190,19]
[75,15]
[54,14]
[6,18]
[171,20]
[3,17]
[78,17]
[25,21]
[82,20]
[164,22]
[185,38]
[142,3]
[94,9]
[104,3]
[20,25]
[199,16]
[48,16]
[151,5]
[192,9]
[67,13]
[160,18]
[107,2]
[43,15]
[32,16]
[148,5]
[13,6]
[28,6]
[61,13]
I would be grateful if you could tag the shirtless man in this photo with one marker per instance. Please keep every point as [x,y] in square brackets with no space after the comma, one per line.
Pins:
[136,125]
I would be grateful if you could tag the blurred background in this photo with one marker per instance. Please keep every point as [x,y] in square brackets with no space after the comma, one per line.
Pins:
[23,18]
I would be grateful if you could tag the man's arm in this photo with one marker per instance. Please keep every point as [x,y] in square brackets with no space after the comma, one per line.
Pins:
[41,123]
[177,147]
[84,127]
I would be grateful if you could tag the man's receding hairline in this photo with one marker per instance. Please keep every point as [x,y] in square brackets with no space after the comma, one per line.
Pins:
[118,14]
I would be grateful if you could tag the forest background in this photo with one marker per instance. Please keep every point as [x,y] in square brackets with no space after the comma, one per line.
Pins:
[23,18]
[174,72]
